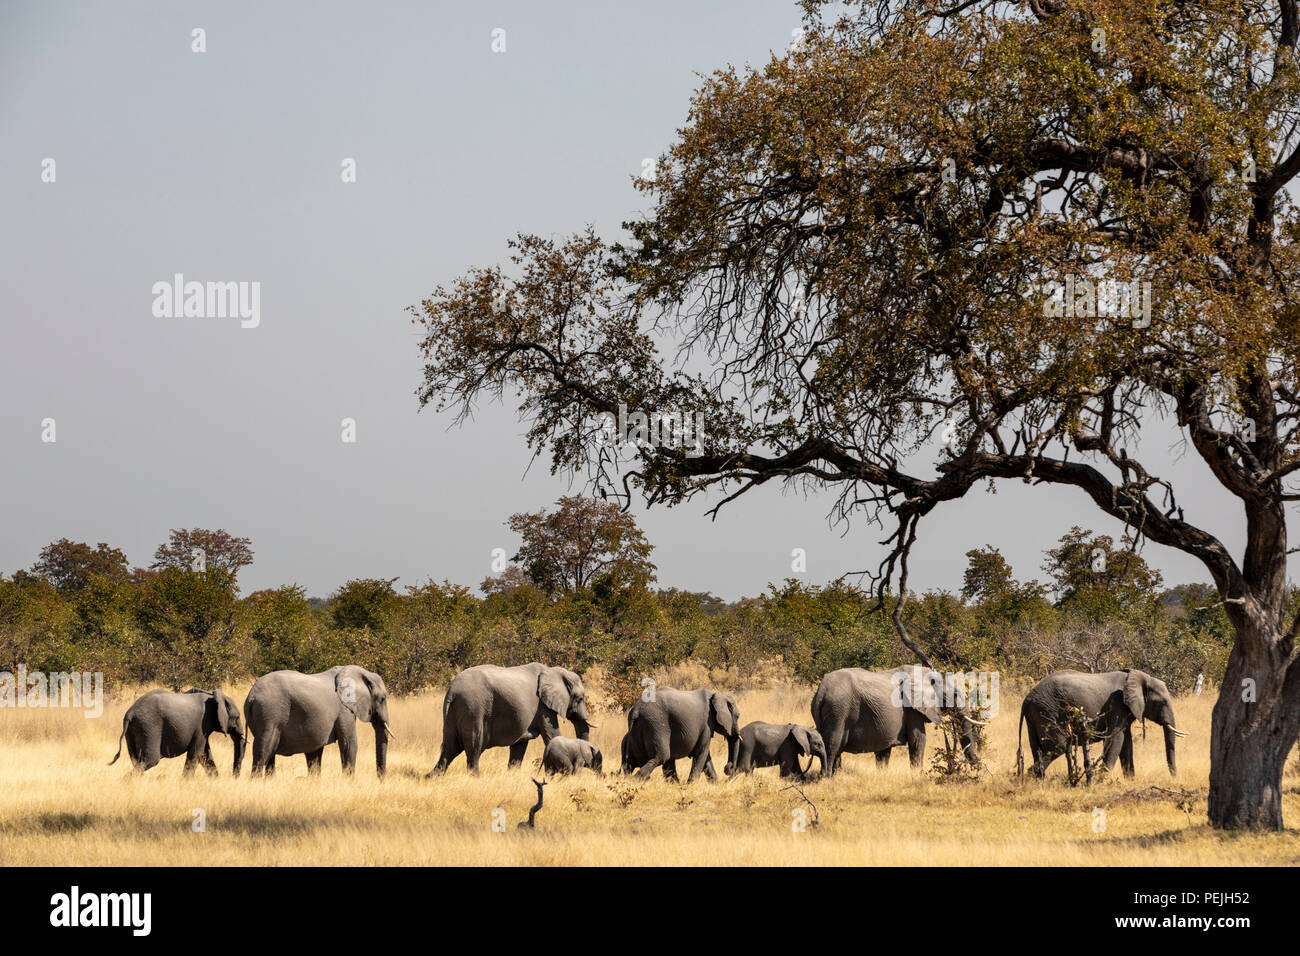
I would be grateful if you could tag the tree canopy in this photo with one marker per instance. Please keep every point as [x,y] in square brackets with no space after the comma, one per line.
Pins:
[581,544]
[1018,231]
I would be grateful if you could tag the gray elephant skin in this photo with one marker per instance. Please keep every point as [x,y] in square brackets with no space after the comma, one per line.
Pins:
[681,723]
[490,706]
[779,745]
[1068,708]
[291,713]
[634,758]
[860,711]
[565,755]
[163,723]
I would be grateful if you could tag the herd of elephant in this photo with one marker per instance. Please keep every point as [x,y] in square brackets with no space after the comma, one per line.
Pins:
[854,711]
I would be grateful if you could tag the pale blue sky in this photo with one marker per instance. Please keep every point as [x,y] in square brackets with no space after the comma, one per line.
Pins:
[225,166]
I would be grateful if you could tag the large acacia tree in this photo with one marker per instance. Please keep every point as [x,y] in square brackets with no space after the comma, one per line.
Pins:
[849,254]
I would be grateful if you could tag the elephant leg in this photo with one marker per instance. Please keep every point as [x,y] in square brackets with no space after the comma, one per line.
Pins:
[1126,752]
[1047,755]
[148,762]
[744,759]
[1039,752]
[139,760]
[314,762]
[473,744]
[150,749]
[649,766]
[517,751]
[697,766]
[834,747]
[882,758]
[916,744]
[264,747]
[472,754]
[1110,753]
[451,749]
[1087,761]
[1071,766]
[707,767]
[348,752]
[255,768]
[209,764]
[670,770]
[194,756]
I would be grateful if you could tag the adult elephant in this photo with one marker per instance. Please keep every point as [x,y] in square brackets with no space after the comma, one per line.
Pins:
[490,706]
[634,758]
[778,745]
[167,724]
[1070,708]
[291,713]
[681,723]
[860,711]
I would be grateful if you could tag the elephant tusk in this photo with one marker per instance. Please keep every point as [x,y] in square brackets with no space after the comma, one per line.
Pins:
[389,730]
[1176,732]
[978,723]
[591,724]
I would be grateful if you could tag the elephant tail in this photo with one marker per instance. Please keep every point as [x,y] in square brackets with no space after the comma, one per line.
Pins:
[125,718]
[1020,744]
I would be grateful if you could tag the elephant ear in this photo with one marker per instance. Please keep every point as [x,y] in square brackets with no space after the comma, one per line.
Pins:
[720,708]
[933,714]
[353,688]
[222,703]
[800,737]
[1133,698]
[553,691]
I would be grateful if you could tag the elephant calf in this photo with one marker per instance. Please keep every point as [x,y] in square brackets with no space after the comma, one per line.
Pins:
[1070,708]
[779,745]
[167,724]
[569,755]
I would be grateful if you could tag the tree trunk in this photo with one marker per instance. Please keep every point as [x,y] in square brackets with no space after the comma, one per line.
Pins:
[1251,735]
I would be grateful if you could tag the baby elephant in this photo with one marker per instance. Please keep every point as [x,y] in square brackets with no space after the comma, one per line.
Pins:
[779,745]
[569,755]
[166,724]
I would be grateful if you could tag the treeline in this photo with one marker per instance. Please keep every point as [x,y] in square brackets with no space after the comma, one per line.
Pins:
[183,620]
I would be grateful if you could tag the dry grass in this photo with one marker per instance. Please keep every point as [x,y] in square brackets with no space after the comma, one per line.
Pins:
[61,805]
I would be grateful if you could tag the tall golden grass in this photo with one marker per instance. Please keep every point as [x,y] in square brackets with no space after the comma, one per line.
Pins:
[61,804]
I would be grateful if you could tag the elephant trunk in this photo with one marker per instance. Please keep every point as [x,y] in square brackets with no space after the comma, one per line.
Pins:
[238,740]
[733,751]
[970,741]
[1171,735]
[381,747]
[581,727]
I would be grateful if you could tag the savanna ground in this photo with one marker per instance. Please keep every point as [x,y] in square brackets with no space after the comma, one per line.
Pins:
[60,804]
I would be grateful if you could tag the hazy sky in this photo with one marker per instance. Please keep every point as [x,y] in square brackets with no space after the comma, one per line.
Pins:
[225,166]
